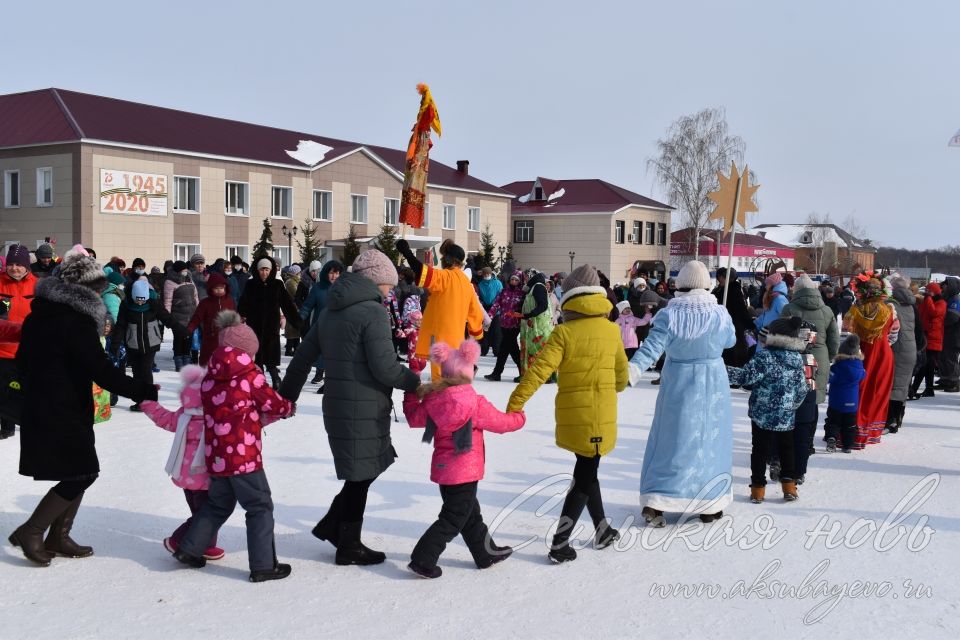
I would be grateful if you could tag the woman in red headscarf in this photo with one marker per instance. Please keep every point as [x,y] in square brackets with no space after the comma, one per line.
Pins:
[873,319]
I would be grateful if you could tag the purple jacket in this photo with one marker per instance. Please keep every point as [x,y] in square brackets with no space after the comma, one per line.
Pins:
[510,299]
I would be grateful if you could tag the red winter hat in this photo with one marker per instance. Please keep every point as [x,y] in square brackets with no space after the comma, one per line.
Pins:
[215,280]
[934,288]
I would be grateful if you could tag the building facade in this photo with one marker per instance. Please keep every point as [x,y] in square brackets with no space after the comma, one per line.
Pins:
[556,223]
[136,180]
[822,248]
[751,253]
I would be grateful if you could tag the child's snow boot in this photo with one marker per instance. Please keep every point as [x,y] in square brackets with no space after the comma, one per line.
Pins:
[711,517]
[425,572]
[775,470]
[789,490]
[831,445]
[279,572]
[757,493]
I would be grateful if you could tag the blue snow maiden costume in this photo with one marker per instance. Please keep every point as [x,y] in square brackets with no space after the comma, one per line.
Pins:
[690,447]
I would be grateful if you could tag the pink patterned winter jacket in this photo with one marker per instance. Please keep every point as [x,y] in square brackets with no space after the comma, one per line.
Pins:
[167,420]
[450,409]
[237,403]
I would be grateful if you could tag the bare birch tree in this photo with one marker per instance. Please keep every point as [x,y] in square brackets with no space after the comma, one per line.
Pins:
[818,234]
[696,147]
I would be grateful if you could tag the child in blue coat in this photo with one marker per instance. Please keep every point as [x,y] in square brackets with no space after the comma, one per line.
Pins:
[846,373]
[778,388]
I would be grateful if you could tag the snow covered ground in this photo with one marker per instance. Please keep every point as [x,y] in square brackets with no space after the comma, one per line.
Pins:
[899,581]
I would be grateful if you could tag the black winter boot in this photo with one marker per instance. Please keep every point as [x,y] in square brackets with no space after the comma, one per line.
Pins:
[279,572]
[560,550]
[59,542]
[605,535]
[328,528]
[318,377]
[351,551]
[29,535]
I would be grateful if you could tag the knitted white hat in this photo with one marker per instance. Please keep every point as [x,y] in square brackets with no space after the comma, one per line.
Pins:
[693,275]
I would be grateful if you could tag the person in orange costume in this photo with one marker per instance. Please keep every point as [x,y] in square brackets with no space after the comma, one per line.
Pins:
[16,294]
[453,303]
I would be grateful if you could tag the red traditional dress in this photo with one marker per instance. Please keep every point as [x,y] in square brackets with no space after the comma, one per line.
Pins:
[872,321]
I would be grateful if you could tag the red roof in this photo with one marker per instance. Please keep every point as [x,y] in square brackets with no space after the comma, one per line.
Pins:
[749,239]
[57,115]
[578,196]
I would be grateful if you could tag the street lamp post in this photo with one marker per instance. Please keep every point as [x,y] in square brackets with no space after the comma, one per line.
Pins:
[289,233]
[572,254]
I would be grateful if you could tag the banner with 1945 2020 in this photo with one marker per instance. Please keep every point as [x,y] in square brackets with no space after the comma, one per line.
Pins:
[127,192]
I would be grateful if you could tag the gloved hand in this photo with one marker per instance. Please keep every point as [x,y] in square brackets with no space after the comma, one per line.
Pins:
[635,374]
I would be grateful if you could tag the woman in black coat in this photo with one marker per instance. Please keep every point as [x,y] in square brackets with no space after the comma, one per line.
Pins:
[353,335]
[263,298]
[59,359]
[738,354]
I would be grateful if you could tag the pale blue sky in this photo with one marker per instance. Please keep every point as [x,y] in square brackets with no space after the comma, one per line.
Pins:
[844,106]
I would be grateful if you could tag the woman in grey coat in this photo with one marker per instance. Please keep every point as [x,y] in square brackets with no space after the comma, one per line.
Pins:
[353,336]
[807,304]
[910,340]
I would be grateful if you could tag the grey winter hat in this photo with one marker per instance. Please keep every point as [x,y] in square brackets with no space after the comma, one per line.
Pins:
[850,346]
[804,282]
[80,269]
[44,251]
[583,279]
[197,257]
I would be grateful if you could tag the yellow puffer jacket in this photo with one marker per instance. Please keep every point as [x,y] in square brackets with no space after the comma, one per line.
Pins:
[587,353]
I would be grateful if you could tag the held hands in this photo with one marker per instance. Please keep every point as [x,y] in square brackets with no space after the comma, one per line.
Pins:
[635,374]
[514,314]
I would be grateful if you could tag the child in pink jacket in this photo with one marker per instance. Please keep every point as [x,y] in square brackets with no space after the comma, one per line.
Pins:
[237,403]
[628,324]
[186,464]
[455,417]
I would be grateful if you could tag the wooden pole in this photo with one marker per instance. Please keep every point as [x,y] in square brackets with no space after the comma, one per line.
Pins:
[733,235]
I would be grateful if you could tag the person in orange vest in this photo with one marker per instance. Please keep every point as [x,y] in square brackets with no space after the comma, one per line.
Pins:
[16,291]
[453,303]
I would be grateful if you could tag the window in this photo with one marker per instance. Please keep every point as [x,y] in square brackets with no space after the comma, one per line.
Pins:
[635,236]
[391,211]
[473,218]
[186,194]
[44,186]
[662,234]
[241,250]
[282,202]
[282,256]
[236,198]
[11,189]
[538,193]
[650,233]
[522,231]
[182,251]
[618,230]
[323,206]
[449,216]
[358,209]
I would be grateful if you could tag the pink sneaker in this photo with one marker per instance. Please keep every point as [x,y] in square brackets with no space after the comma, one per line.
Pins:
[170,545]
[214,553]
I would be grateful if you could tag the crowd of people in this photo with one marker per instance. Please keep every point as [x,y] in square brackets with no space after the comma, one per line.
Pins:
[372,327]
